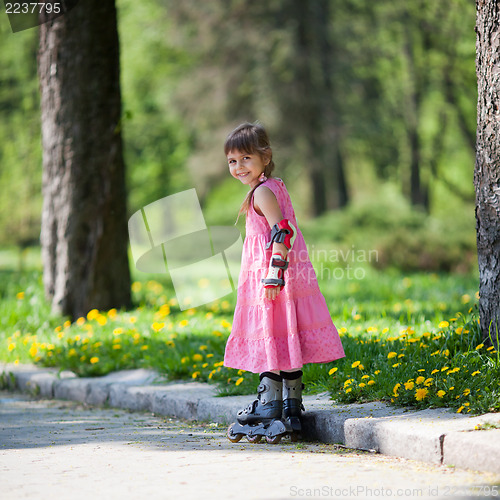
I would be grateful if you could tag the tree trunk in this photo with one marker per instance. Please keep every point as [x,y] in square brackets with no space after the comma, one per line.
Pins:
[316,114]
[487,172]
[84,220]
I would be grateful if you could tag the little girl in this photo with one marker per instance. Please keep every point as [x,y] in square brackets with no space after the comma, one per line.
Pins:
[281,320]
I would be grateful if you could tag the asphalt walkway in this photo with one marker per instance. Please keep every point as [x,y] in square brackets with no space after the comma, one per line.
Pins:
[438,437]
[67,450]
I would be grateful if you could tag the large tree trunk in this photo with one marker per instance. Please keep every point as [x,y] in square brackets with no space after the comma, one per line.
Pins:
[487,173]
[84,220]
[315,107]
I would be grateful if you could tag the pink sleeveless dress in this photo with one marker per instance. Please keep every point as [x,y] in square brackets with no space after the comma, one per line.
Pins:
[296,327]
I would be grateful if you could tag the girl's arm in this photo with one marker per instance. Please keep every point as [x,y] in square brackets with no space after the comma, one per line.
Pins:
[265,202]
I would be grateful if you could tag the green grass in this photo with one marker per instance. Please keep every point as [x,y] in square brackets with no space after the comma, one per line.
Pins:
[417,330]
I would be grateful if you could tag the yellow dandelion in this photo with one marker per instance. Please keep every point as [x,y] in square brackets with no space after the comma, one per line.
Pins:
[117,331]
[12,346]
[466,392]
[356,363]
[396,389]
[362,384]
[158,326]
[445,368]
[197,357]
[101,319]
[451,388]
[239,381]
[211,374]
[203,347]
[349,389]
[477,372]
[117,346]
[440,394]
[460,409]
[225,324]
[396,365]
[72,352]
[420,394]
[365,377]
[332,370]
[434,371]
[428,382]
[443,324]
[480,346]
[195,375]
[371,382]
[419,380]
[361,367]
[392,355]
[183,323]
[92,314]
[220,363]
[377,372]
[20,296]
[94,360]
[144,348]
[409,385]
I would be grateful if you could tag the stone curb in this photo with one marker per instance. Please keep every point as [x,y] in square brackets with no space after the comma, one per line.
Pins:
[434,436]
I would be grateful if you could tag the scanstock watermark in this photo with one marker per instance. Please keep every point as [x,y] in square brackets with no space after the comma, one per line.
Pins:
[364,491]
[24,15]
[171,236]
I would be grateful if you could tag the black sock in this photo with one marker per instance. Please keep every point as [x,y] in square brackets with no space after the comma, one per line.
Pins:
[272,376]
[291,375]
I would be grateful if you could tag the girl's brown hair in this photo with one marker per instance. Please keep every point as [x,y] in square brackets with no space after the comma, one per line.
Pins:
[250,138]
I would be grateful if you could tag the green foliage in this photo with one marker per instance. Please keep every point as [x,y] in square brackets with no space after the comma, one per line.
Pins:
[20,138]
[399,236]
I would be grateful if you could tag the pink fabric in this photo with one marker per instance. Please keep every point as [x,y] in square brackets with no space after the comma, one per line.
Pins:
[296,327]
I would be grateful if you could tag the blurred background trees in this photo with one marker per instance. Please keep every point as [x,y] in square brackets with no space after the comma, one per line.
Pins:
[371,108]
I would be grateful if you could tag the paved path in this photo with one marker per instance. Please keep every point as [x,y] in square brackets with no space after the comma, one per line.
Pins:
[62,449]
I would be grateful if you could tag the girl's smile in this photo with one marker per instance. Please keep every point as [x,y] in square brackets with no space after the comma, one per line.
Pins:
[245,167]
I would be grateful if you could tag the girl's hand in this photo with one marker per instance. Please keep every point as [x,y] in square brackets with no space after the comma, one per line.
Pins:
[272,293]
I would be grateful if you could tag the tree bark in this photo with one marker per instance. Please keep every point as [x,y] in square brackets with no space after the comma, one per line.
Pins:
[84,232]
[487,171]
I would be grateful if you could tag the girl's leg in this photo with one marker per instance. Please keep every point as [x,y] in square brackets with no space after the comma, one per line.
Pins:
[292,398]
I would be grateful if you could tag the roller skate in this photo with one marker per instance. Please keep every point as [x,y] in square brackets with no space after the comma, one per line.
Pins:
[292,403]
[262,418]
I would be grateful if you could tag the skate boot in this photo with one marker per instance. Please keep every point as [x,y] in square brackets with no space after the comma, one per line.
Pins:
[292,402]
[263,416]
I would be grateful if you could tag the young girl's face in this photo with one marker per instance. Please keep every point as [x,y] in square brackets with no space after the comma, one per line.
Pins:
[246,167]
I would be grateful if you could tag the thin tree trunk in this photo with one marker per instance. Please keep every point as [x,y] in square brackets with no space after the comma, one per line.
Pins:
[84,220]
[487,172]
